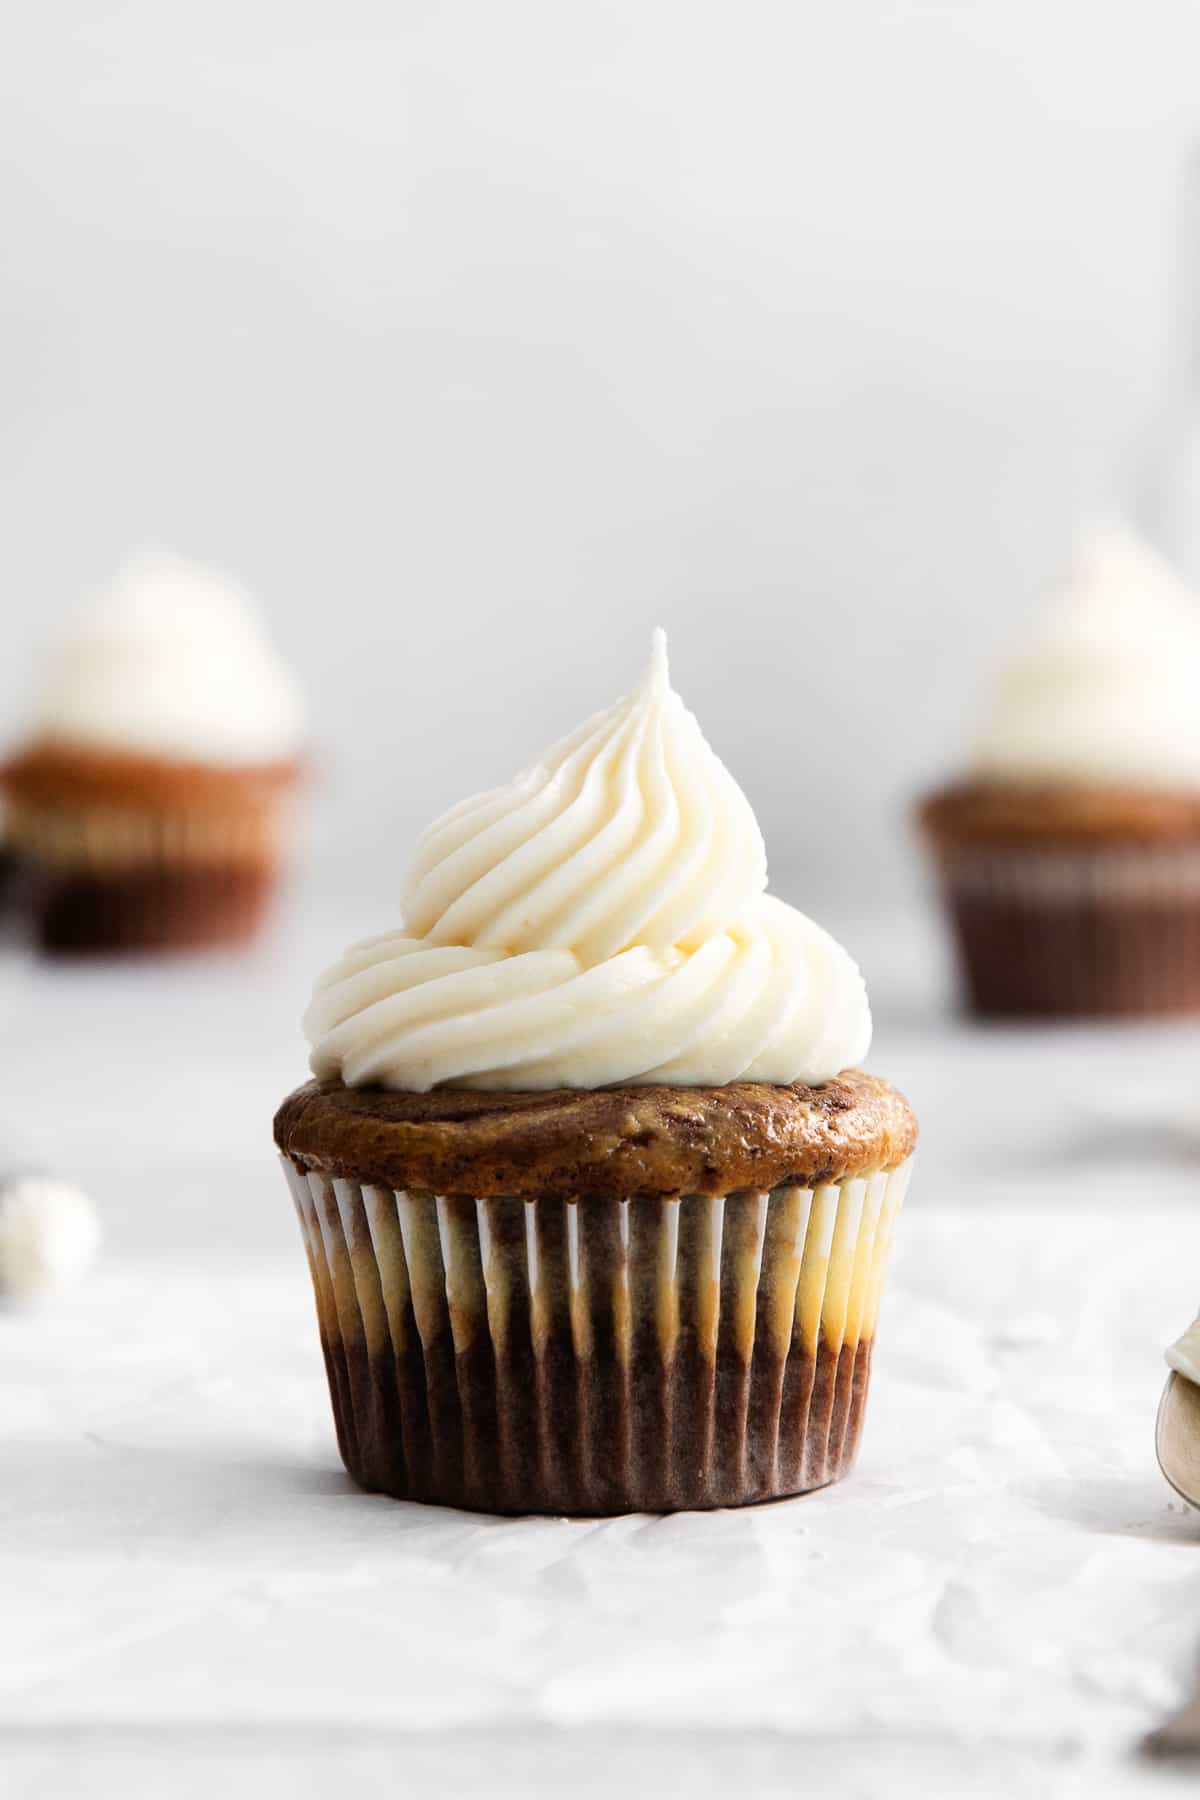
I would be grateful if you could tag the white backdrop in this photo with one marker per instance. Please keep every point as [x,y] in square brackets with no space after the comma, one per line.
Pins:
[481,336]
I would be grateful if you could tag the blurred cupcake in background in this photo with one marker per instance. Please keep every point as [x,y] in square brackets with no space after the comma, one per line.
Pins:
[153,801]
[1069,856]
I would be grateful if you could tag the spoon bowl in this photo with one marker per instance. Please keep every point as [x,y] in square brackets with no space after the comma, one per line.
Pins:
[1177,1437]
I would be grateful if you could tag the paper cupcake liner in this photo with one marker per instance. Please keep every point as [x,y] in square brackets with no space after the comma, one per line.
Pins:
[1080,933]
[597,1356]
[128,879]
[14,885]
[163,909]
[103,839]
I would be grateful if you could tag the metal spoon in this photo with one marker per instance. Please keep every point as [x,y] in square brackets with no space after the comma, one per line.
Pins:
[1177,1436]
[1177,1443]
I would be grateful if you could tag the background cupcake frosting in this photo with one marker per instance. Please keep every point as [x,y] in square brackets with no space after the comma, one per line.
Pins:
[1107,688]
[171,662]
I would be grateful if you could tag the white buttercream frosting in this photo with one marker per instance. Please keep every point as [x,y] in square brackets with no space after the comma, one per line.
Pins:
[1108,691]
[49,1234]
[172,663]
[602,919]
[1184,1355]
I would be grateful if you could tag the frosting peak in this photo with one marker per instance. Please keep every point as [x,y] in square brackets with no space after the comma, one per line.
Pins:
[602,919]
[1108,690]
[172,662]
[657,679]
[629,831]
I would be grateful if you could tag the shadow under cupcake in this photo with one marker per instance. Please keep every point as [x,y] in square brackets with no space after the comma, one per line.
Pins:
[597,1213]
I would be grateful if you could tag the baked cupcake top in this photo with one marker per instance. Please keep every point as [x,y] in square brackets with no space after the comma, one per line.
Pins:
[615,1142]
[1107,693]
[600,922]
[170,665]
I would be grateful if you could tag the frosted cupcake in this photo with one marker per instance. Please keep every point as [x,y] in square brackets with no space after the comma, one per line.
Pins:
[153,800]
[1069,858]
[597,1208]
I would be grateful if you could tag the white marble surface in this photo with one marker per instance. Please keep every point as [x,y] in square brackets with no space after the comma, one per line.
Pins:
[1003,1597]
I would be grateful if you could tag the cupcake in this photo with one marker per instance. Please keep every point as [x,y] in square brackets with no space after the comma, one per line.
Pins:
[597,1207]
[152,802]
[1069,858]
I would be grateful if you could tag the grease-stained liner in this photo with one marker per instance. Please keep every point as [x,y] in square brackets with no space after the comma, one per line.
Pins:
[597,1355]
[106,879]
[1077,932]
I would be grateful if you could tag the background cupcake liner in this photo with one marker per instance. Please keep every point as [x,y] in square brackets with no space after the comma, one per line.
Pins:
[154,909]
[107,878]
[597,1356]
[1076,933]
[100,839]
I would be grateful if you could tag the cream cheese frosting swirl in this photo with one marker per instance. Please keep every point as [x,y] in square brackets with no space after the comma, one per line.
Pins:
[601,920]
[1108,691]
[172,662]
